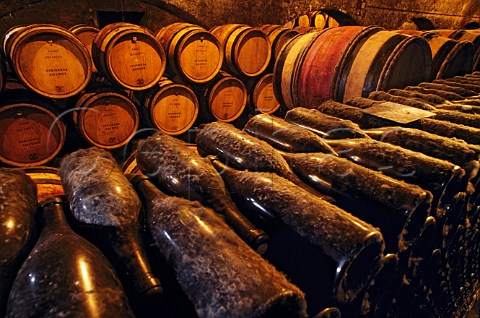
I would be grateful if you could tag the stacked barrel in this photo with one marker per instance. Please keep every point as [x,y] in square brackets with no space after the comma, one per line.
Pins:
[356,149]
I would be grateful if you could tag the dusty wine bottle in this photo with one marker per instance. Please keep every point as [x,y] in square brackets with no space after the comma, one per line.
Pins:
[65,275]
[18,203]
[399,209]
[107,208]
[326,126]
[220,274]
[432,125]
[239,149]
[351,246]
[188,175]
[285,136]
[435,175]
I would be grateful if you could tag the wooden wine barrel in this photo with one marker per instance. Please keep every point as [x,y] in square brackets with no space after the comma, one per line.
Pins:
[224,98]
[86,34]
[385,60]
[30,132]
[192,52]
[247,50]
[47,180]
[319,19]
[261,95]
[170,107]
[278,36]
[129,56]
[449,57]
[48,59]
[465,35]
[308,68]
[106,119]
[302,20]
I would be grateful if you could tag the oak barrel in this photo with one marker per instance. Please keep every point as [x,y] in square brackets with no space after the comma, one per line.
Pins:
[449,57]
[30,132]
[307,70]
[224,98]
[472,36]
[247,50]
[106,118]
[86,34]
[170,107]
[129,56]
[48,59]
[261,95]
[279,36]
[385,60]
[192,52]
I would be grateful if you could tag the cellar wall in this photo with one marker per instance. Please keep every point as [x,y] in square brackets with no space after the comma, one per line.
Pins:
[208,13]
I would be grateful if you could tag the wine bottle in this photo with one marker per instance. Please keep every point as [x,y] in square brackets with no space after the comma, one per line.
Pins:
[431,99]
[220,274]
[188,175]
[350,244]
[285,136]
[432,125]
[457,82]
[455,151]
[399,209]
[18,203]
[449,149]
[421,250]
[242,151]
[440,177]
[381,290]
[326,126]
[65,275]
[106,208]
[449,88]
[417,100]
[413,102]
[354,113]
[435,91]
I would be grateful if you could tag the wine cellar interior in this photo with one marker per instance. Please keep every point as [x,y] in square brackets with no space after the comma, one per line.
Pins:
[171,158]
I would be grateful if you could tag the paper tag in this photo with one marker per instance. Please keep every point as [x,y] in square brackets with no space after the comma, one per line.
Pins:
[398,113]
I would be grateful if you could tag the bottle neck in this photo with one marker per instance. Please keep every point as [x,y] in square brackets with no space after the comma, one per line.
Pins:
[146,189]
[53,215]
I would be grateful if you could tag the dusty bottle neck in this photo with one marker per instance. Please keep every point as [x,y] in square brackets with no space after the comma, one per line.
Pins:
[53,215]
